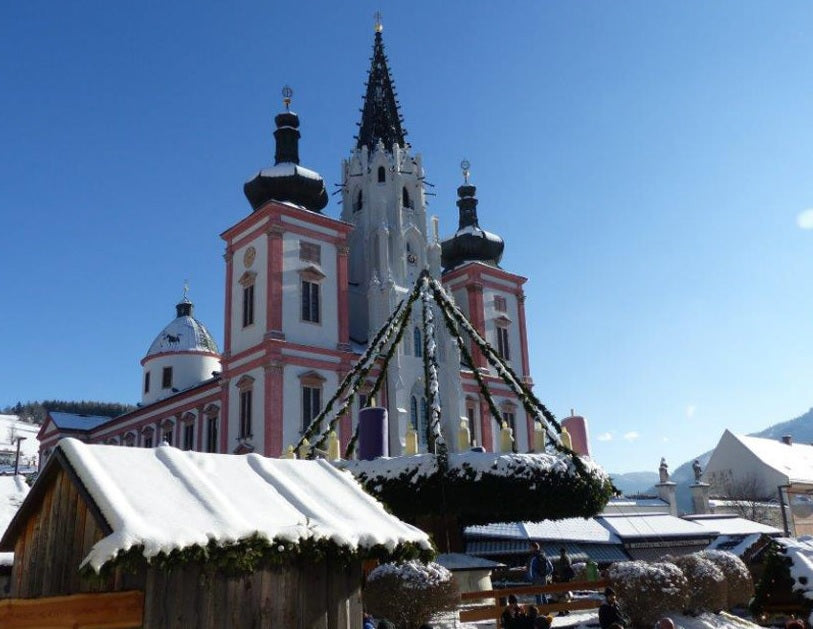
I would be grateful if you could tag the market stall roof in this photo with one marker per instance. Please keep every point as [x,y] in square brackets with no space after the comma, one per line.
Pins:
[731,524]
[164,499]
[653,525]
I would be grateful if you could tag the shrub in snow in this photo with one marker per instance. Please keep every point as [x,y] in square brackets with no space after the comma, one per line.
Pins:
[409,594]
[707,591]
[739,583]
[648,591]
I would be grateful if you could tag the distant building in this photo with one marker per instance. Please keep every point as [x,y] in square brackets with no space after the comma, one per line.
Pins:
[304,294]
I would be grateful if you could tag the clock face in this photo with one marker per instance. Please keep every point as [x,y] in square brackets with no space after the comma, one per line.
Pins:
[412,258]
[248,256]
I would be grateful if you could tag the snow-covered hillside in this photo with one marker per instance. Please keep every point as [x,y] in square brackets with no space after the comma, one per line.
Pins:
[12,427]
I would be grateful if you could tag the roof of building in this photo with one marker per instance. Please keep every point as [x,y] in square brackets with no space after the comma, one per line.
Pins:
[183,334]
[461,562]
[736,544]
[380,117]
[794,461]
[652,525]
[575,529]
[164,499]
[731,524]
[581,551]
[77,421]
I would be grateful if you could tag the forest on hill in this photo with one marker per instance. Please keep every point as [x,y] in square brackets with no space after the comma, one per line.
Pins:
[34,412]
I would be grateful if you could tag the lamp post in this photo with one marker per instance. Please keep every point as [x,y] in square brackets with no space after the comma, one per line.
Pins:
[17,459]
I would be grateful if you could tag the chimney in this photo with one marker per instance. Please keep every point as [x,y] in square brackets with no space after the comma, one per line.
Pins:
[787,440]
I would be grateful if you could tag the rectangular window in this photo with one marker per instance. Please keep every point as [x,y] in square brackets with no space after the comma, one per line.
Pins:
[310,252]
[311,405]
[168,436]
[310,301]
[511,420]
[211,434]
[147,382]
[148,442]
[248,305]
[245,414]
[502,343]
[166,378]
[499,304]
[189,436]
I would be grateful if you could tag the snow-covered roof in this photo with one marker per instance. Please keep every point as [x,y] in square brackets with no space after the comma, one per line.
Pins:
[13,491]
[183,334]
[289,169]
[736,544]
[794,461]
[166,499]
[729,524]
[462,562]
[77,421]
[646,525]
[573,529]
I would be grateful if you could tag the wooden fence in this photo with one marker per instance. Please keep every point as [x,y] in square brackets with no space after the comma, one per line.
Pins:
[114,610]
[493,611]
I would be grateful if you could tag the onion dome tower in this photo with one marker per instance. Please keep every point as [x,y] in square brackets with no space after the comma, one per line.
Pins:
[470,243]
[183,355]
[286,180]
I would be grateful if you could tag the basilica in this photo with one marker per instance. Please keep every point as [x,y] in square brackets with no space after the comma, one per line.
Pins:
[305,293]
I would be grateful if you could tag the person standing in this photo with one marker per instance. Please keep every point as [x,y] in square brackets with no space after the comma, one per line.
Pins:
[539,570]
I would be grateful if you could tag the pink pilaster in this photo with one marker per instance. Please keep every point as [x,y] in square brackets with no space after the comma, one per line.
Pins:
[342,252]
[523,335]
[200,426]
[273,409]
[224,416]
[485,425]
[228,256]
[477,318]
[274,282]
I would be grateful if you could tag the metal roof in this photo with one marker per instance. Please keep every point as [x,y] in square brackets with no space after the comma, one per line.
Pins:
[573,529]
[77,421]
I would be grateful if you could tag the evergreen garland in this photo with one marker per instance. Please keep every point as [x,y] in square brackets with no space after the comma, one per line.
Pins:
[256,552]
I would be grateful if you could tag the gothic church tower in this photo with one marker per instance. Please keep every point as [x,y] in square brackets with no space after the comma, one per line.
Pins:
[384,199]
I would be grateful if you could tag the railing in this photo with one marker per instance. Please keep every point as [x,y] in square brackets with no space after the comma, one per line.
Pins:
[494,610]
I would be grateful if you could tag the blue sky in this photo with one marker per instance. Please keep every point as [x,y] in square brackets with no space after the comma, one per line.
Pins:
[646,162]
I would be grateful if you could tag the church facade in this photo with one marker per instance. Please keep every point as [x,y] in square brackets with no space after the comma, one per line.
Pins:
[304,295]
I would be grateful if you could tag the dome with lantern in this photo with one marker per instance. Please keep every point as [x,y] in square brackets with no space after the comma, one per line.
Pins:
[183,355]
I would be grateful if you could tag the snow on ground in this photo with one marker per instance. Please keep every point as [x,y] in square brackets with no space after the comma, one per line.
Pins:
[590,619]
[12,427]
[13,491]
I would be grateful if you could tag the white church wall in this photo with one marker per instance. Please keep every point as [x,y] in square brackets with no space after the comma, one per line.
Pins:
[188,370]
[257,410]
[292,398]
[243,338]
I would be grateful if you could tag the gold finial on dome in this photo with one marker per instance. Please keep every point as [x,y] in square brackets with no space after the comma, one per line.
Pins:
[186,290]
[464,166]
[379,26]
[287,92]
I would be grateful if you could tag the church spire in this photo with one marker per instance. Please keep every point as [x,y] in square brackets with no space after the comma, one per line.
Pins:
[380,117]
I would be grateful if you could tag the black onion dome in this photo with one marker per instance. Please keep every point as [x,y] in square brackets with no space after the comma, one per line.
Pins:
[380,117]
[286,180]
[470,243]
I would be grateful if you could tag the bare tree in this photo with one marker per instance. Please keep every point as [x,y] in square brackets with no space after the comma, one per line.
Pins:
[747,497]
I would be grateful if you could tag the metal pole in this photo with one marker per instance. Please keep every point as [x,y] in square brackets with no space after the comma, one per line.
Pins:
[17,459]
[782,507]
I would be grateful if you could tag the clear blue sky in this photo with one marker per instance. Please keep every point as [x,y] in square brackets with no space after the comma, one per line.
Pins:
[646,163]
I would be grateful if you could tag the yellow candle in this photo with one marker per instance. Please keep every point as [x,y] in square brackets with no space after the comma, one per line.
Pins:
[506,438]
[463,435]
[333,449]
[289,453]
[566,441]
[411,441]
[304,449]
[539,437]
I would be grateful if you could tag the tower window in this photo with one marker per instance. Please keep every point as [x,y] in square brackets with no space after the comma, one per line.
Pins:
[405,200]
[166,431]
[503,348]
[500,304]
[310,301]
[147,382]
[189,436]
[211,429]
[359,202]
[245,414]
[382,174]
[248,305]
[417,341]
[311,404]
[166,378]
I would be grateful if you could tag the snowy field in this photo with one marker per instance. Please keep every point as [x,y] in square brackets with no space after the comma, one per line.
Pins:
[590,619]
[12,427]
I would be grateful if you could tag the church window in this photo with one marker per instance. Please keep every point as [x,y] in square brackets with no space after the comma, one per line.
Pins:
[166,378]
[500,304]
[248,305]
[503,348]
[245,414]
[310,301]
[129,439]
[189,437]
[509,416]
[405,200]
[211,428]
[417,341]
[311,384]
[359,202]
[382,174]
[147,382]
[166,431]
[413,411]
[310,252]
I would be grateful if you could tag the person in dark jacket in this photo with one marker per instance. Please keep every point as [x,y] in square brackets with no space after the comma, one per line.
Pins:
[609,613]
[513,615]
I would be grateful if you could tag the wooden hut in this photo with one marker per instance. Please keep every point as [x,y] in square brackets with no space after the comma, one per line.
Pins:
[200,540]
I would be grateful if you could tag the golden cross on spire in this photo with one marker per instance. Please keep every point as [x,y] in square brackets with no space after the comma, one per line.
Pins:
[379,26]
[287,92]
[464,165]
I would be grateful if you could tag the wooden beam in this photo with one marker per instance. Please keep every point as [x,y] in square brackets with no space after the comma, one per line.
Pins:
[570,586]
[114,610]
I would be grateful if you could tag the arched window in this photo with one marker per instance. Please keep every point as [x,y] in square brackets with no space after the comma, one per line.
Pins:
[382,174]
[413,412]
[405,201]
[358,203]
[417,341]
